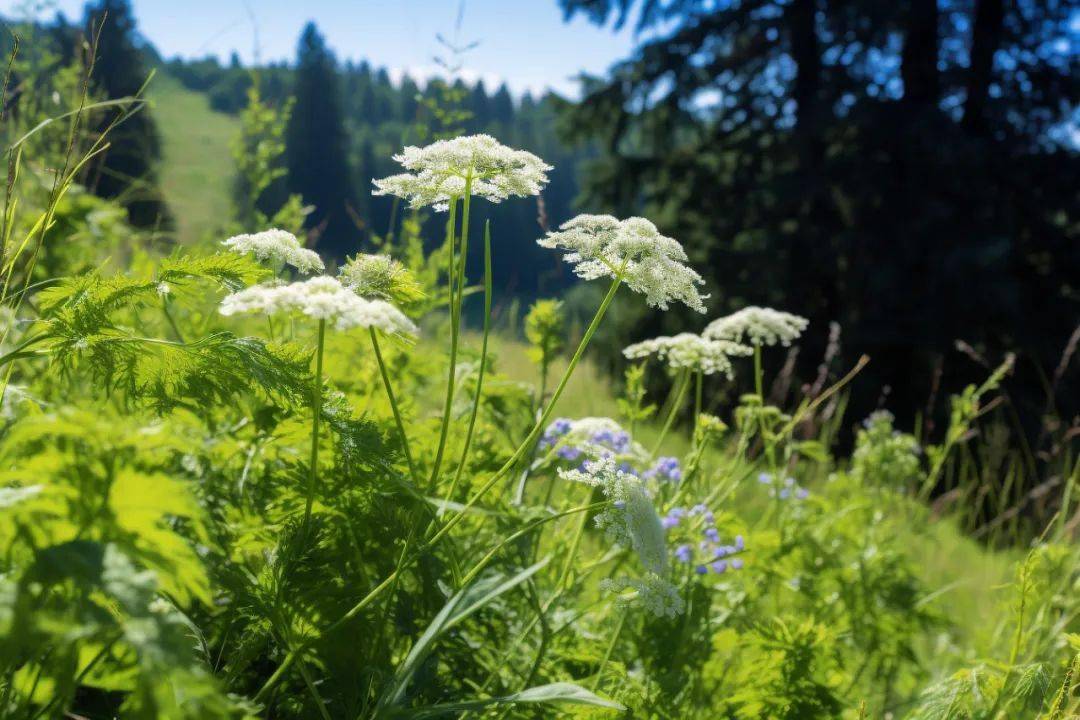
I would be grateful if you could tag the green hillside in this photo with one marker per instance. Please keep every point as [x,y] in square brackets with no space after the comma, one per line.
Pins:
[197,166]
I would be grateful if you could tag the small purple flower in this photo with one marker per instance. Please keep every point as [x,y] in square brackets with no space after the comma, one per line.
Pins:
[568,452]
[701,569]
[785,494]
[698,510]
[666,468]
[713,534]
[765,478]
[628,468]
[737,564]
[684,553]
[740,543]
[709,518]
[721,551]
[619,504]
[719,567]
[789,482]
[802,493]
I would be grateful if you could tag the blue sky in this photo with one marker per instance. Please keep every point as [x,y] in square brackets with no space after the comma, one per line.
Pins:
[524,42]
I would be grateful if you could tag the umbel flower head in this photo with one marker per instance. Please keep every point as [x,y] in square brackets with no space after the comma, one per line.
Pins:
[631,520]
[633,249]
[439,172]
[759,326]
[322,298]
[276,247]
[380,277]
[691,352]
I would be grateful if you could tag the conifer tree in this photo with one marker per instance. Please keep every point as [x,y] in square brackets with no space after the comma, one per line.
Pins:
[317,147]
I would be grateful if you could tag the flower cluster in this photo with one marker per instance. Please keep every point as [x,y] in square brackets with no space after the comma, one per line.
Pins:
[651,591]
[588,436]
[634,250]
[691,352]
[322,298]
[759,326]
[708,554]
[439,172]
[380,277]
[785,490]
[632,522]
[666,469]
[276,247]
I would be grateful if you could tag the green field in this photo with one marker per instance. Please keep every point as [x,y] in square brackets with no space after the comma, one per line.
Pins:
[197,165]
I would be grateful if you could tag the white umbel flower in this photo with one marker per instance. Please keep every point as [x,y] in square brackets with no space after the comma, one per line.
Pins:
[758,326]
[322,298]
[653,592]
[438,172]
[690,352]
[633,249]
[276,247]
[631,520]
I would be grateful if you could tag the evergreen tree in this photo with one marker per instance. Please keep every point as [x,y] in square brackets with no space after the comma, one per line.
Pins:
[317,147]
[128,169]
[883,165]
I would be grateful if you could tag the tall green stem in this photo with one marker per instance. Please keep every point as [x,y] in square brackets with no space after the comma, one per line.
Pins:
[699,380]
[393,402]
[758,380]
[676,405]
[455,321]
[535,432]
[451,282]
[316,416]
[483,363]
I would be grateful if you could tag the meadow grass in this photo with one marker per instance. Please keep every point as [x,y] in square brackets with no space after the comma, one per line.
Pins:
[197,170]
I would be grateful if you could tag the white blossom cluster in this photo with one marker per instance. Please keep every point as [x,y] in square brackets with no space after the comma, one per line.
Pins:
[276,247]
[691,352]
[631,521]
[653,592]
[438,172]
[322,298]
[633,249]
[759,326]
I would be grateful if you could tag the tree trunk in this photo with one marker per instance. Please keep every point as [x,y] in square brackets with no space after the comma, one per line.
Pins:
[919,63]
[986,36]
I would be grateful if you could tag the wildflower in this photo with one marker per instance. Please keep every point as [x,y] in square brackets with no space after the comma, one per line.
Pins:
[323,298]
[276,247]
[439,172]
[653,592]
[592,434]
[380,277]
[666,468]
[633,250]
[632,520]
[758,326]
[691,352]
[163,289]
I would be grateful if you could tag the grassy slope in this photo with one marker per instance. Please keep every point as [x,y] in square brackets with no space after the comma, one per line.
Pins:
[196,175]
[197,169]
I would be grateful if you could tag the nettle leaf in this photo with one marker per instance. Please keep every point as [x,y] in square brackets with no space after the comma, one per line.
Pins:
[231,270]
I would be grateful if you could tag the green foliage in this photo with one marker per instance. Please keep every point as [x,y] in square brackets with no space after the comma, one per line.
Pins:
[210,517]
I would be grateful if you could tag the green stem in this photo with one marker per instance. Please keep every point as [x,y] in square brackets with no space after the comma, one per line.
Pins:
[608,652]
[758,380]
[316,416]
[455,278]
[699,381]
[393,402]
[676,405]
[535,432]
[483,363]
